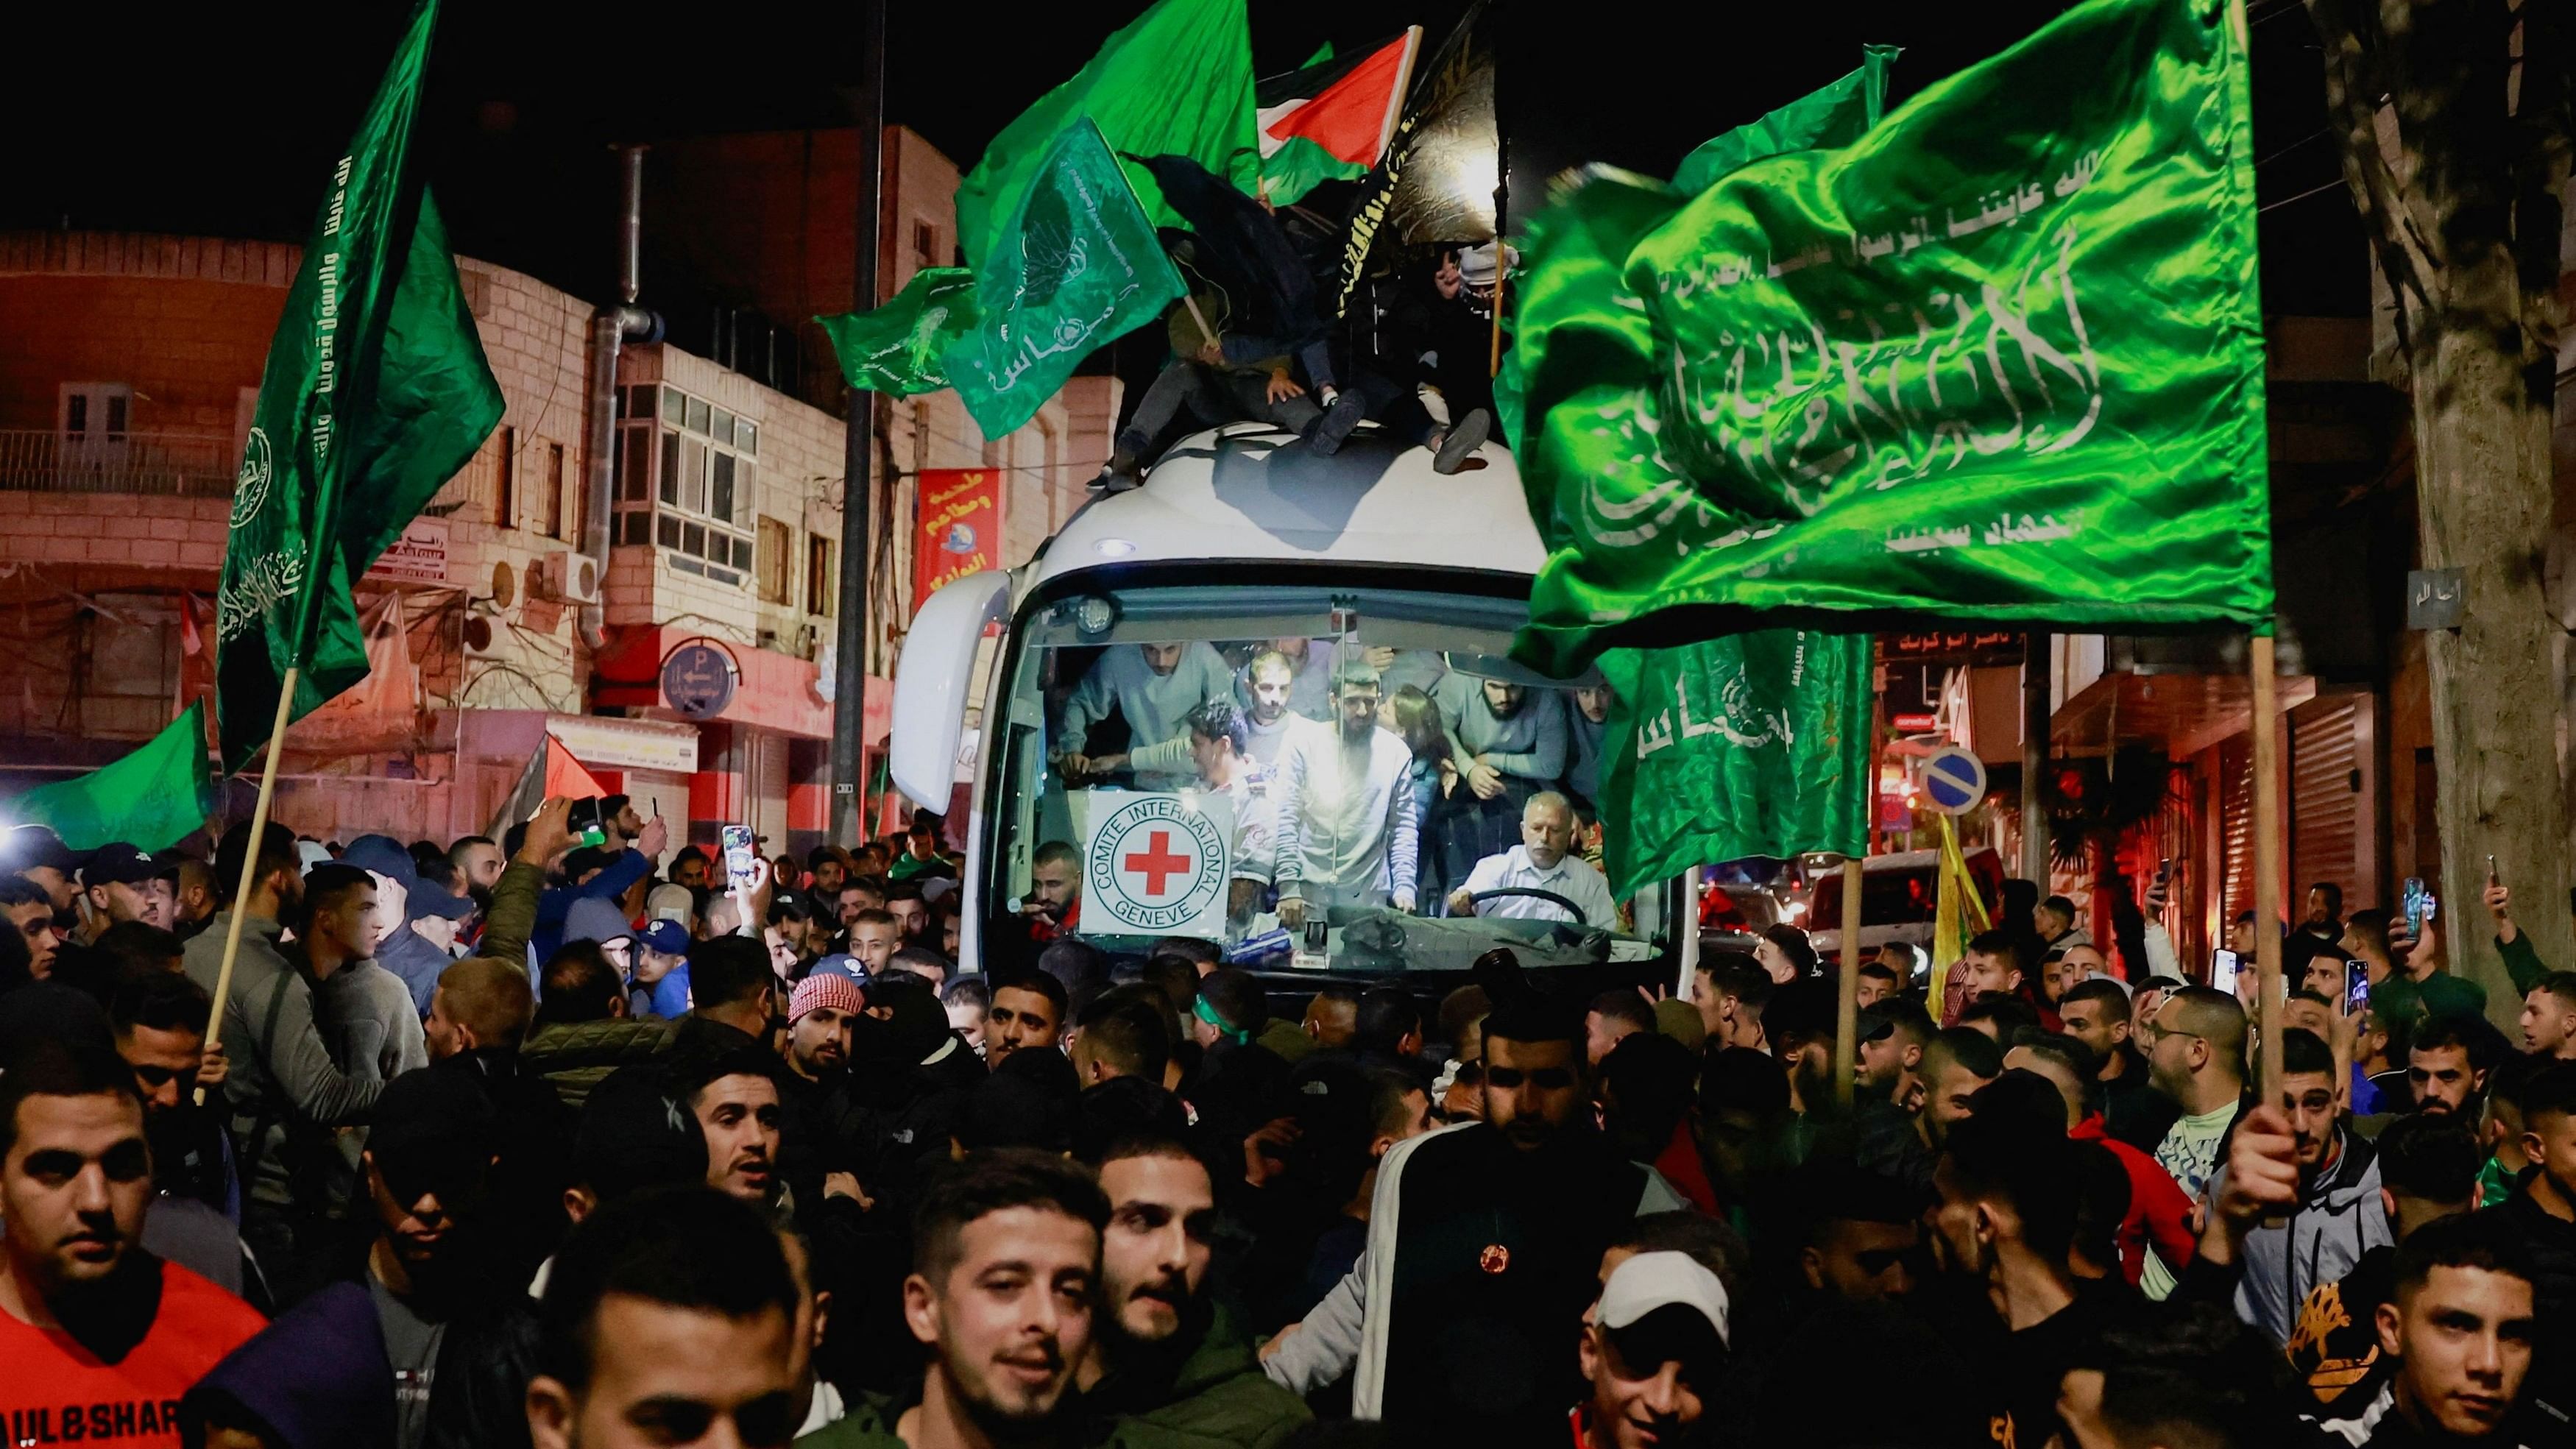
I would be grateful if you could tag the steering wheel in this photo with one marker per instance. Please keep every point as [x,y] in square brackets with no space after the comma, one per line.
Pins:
[1480,897]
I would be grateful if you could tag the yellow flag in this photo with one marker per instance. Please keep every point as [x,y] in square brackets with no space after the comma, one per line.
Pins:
[1958,916]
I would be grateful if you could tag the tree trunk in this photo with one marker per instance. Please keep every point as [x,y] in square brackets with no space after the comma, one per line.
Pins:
[2454,125]
[2482,490]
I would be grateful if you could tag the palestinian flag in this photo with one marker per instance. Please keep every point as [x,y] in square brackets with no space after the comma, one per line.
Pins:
[1330,119]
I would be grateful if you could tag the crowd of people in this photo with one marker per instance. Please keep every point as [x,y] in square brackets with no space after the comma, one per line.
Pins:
[537,1141]
[1359,776]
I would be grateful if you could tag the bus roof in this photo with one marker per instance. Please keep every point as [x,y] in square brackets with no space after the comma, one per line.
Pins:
[1248,492]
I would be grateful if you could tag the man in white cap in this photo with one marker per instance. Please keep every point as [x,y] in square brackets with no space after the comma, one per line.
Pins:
[1652,1350]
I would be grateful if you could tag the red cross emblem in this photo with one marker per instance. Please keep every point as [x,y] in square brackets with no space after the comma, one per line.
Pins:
[1157,863]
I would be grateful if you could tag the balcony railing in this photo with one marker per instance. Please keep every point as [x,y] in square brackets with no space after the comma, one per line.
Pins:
[186,465]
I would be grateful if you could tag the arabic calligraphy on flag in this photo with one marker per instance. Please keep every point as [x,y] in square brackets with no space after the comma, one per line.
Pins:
[2000,359]
[1078,266]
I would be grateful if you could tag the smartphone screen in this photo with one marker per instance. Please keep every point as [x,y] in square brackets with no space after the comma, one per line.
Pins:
[2415,909]
[742,858]
[585,823]
[2356,985]
[2222,971]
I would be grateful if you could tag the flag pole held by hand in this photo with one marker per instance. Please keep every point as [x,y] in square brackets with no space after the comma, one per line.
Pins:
[2267,872]
[250,865]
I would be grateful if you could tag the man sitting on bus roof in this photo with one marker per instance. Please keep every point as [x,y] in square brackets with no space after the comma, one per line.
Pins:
[1540,862]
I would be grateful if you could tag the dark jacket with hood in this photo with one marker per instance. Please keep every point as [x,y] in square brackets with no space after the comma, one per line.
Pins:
[317,1377]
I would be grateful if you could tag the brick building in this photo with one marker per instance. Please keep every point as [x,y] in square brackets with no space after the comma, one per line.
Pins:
[126,390]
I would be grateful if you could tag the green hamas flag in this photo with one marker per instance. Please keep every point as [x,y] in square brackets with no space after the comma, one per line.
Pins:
[896,348]
[1176,82]
[1835,115]
[1757,744]
[375,394]
[1753,744]
[2000,359]
[1079,266]
[148,799]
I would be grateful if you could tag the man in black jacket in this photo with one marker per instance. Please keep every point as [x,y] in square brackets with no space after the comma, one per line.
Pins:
[2541,1214]
[478,1020]
[458,1338]
[1503,1225]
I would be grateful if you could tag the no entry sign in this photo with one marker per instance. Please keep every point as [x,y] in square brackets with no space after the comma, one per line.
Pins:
[1156,864]
[1954,781]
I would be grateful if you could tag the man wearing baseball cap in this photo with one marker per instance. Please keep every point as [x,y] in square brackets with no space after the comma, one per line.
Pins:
[36,852]
[117,885]
[1653,1350]
[660,983]
[418,920]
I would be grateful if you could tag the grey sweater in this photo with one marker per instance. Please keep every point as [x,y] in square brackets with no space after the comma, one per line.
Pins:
[282,1075]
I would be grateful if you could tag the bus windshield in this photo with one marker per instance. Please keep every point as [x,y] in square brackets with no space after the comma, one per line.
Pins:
[1349,780]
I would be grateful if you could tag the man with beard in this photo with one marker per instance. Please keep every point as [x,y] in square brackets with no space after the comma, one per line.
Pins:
[1504,1223]
[1170,1363]
[813,1091]
[286,1093]
[98,1337]
[1006,1253]
[1508,741]
[2443,1067]
[1346,817]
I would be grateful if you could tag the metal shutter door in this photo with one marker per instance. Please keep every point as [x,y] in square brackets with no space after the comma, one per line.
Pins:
[2325,825]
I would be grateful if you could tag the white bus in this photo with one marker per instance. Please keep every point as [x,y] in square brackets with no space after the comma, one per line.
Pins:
[1239,538]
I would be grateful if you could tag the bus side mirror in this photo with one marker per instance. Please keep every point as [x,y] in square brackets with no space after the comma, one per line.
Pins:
[933,679]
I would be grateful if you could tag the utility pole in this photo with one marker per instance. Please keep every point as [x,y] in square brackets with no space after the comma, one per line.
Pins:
[858,488]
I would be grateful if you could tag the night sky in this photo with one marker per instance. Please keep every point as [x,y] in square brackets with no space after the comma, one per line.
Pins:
[220,120]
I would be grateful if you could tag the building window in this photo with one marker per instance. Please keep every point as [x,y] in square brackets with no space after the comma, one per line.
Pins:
[819,583]
[775,542]
[505,483]
[95,412]
[551,506]
[925,243]
[688,480]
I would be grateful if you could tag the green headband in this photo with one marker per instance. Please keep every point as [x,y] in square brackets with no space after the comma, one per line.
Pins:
[1208,1014]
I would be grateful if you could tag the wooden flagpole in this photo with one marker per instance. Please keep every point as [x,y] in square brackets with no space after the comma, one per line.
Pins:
[250,863]
[2267,870]
[1847,990]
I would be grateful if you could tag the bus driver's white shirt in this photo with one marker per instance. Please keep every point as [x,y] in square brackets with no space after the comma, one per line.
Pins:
[1572,877]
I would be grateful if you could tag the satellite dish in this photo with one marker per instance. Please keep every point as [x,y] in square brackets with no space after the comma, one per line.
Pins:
[505,587]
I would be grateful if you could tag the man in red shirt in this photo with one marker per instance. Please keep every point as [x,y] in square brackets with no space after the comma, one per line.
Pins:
[2159,1216]
[100,1337]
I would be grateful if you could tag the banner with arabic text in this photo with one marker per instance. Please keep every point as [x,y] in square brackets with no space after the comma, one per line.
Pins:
[957,527]
[1754,744]
[2000,359]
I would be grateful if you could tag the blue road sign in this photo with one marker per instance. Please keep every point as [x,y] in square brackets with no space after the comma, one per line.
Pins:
[1954,781]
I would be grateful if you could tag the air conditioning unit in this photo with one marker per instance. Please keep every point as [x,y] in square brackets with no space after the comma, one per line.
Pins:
[568,576]
[482,636]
